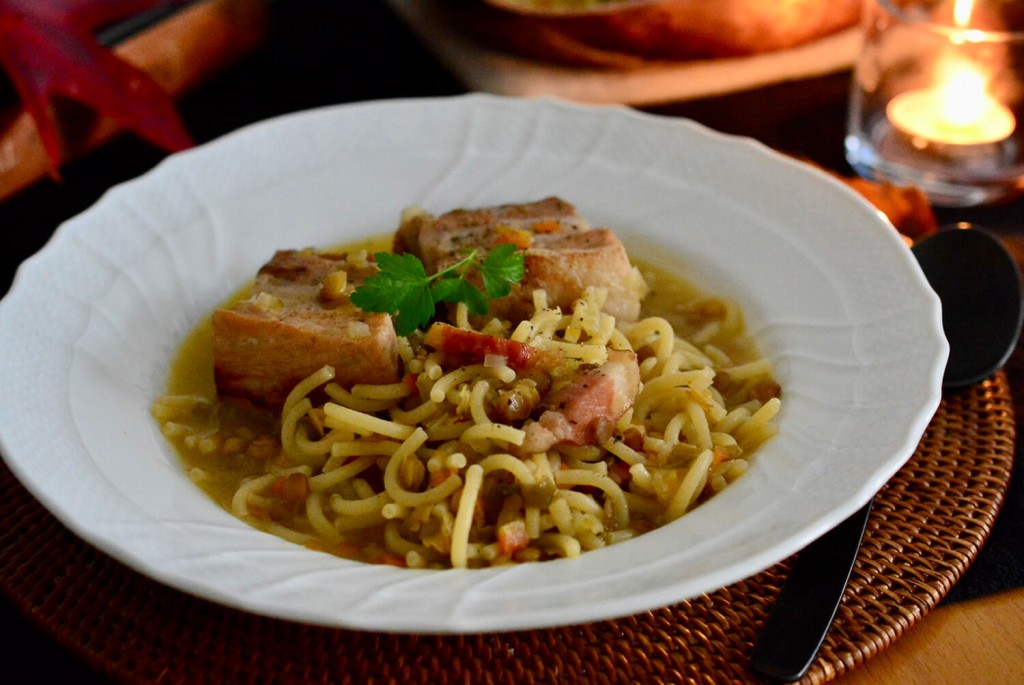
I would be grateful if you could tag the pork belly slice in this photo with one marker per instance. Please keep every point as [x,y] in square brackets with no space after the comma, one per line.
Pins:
[563,253]
[298,318]
[584,410]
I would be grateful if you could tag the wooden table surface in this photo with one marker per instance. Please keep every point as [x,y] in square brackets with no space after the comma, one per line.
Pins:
[315,57]
[976,641]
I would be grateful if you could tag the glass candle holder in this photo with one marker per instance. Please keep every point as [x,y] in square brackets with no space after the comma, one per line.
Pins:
[937,99]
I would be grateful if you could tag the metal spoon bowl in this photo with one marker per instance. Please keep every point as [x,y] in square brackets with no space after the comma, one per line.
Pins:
[979,285]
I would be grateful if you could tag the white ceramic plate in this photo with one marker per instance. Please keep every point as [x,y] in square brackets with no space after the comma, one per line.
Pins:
[830,293]
[483,68]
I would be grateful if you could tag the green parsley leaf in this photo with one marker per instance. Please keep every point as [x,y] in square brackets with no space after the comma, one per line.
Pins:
[459,290]
[500,270]
[396,286]
[403,289]
[400,266]
[415,309]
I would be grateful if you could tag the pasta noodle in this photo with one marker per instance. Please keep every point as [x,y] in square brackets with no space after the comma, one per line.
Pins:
[436,472]
[464,516]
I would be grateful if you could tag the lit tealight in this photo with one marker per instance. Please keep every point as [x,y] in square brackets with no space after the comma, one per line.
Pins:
[958,111]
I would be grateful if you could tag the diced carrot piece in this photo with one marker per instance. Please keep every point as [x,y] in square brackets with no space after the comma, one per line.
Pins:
[259,512]
[548,226]
[348,550]
[440,476]
[410,381]
[719,454]
[393,560]
[291,488]
[516,236]
[513,537]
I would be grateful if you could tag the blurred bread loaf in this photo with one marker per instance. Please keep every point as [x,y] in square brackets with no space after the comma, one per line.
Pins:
[624,33]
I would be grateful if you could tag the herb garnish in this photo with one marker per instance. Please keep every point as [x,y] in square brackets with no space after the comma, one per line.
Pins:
[402,287]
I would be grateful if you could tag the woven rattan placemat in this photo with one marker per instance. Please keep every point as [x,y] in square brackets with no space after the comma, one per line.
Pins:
[927,525]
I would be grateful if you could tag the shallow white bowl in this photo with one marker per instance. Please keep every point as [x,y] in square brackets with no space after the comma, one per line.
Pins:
[830,293]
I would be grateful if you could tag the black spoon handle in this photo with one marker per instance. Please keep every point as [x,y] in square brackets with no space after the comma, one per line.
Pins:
[808,601]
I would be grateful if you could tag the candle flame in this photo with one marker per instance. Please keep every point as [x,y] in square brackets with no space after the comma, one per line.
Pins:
[962,88]
[963,94]
[958,109]
[962,10]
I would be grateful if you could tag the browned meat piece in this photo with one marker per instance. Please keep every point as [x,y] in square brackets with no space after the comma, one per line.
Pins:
[299,318]
[564,254]
[584,411]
